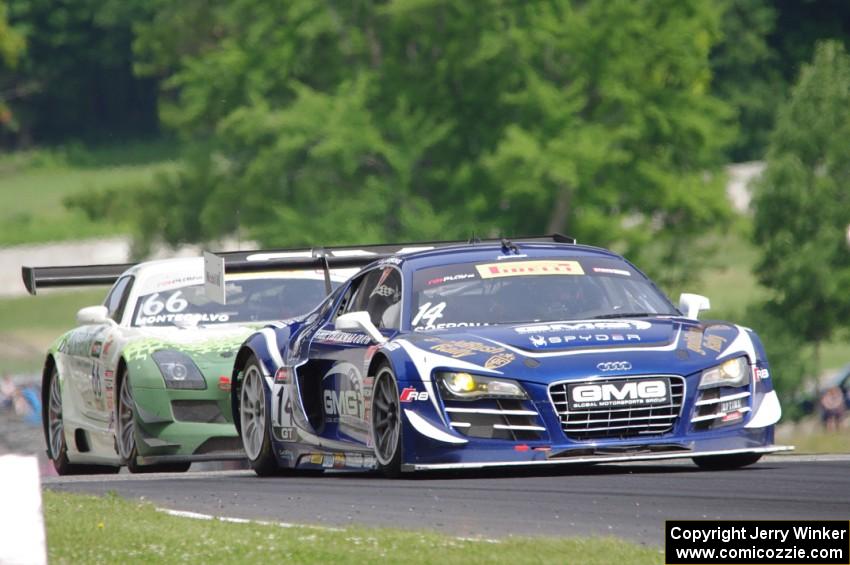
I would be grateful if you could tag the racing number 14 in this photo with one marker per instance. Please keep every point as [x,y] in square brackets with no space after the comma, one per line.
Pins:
[283,408]
[429,314]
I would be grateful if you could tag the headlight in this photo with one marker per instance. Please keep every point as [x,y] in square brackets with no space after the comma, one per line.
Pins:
[178,370]
[465,386]
[734,372]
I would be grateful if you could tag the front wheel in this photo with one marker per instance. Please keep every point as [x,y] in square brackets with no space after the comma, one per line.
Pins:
[386,422]
[54,434]
[726,462]
[254,423]
[126,434]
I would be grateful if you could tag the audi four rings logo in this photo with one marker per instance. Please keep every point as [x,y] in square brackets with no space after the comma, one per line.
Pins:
[614,366]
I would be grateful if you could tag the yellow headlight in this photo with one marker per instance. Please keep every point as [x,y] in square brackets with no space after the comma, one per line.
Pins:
[732,368]
[460,382]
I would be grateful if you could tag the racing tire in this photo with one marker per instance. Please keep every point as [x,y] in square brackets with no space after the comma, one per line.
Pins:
[726,462]
[54,434]
[386,421]
[254,425]
[125,434]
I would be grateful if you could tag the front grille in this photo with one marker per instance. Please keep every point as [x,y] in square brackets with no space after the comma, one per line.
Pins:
[199,411]
[604,422]
[512,420]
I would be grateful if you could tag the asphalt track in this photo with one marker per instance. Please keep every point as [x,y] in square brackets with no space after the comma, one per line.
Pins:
[630,501]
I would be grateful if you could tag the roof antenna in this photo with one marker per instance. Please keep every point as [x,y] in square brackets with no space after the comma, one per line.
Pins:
[508,246]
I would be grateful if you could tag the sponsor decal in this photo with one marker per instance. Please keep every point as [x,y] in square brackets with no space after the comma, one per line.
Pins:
[450,278]
[614,366]
[106,347]
[339,460]
[391,346]
[760,374]
[528,268]
[316,458]
[584,326]
[328,461]
[354,460]
[286,434]
[224,383]
[391,261]
[222,317]
[178,281]
[618,394]
[337,336]
[96,348]
[607,271]
[343,403]
[543,341]
[345,400]
[78,343]
[464,348]
[410,394]
[499,360]
[698,342]
[96,381]
[450,325]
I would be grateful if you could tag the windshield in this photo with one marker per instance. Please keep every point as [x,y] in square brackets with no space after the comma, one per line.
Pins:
[539,290]
[248,300]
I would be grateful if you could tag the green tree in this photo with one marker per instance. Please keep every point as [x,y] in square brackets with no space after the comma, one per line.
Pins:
[76,80]
[763,45]
[360,121]
[12,46]
[803,203]
[748,73]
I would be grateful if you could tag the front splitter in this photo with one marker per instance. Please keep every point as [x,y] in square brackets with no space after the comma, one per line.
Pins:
[595,459]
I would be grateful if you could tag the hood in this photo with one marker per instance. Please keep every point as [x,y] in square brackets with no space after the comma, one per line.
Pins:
[557,350]
[210,344]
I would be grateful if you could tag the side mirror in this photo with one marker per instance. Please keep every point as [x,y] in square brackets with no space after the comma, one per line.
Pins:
[692,304]
[360,321]
[93,315]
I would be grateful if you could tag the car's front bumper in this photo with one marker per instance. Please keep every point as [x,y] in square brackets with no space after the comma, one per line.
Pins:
[162,437]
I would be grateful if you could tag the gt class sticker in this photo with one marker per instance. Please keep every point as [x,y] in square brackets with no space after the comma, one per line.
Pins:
[528,268]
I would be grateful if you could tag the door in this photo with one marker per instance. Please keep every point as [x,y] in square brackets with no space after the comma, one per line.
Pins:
[86,356]
[335,380]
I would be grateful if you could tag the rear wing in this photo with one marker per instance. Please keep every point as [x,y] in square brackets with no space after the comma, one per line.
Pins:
[83,275]
[324,258]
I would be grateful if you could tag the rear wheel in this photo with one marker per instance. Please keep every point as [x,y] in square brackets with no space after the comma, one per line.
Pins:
[126,434]
[726,462]
[386,422]
[254,423]
[54,434]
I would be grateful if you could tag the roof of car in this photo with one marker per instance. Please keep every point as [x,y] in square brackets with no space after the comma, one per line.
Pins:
[485,252]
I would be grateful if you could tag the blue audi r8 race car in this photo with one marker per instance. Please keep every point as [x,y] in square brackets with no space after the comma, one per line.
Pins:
[536,351]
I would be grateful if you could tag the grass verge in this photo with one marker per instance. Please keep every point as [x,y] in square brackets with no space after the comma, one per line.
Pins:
[29,324]
[34,184]
[88,529]
[809,438]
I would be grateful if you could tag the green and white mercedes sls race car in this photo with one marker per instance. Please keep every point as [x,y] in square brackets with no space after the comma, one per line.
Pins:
[144,379]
